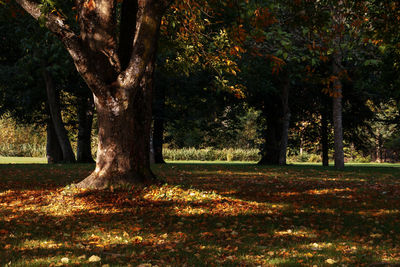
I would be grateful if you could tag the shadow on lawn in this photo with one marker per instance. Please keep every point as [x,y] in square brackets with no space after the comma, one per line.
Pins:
[215,237]
[221,236]
[242,227]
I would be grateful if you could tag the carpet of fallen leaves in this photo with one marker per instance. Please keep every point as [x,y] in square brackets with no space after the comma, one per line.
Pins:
[207,215]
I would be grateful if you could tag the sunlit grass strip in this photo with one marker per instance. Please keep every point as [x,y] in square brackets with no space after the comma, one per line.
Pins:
[22,160]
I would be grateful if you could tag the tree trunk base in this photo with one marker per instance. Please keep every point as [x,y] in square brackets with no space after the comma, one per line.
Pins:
[98,180]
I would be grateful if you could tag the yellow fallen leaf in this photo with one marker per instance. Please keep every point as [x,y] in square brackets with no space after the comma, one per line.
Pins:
[94,258]
[330,261]
[138,238]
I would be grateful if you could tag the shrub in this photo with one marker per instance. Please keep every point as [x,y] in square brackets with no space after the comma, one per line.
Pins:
[361,159]
[314,158]
[210,154]
[18,140]
[303,157]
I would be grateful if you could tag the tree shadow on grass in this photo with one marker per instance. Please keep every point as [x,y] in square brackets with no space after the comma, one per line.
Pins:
[123,228]
[252,218]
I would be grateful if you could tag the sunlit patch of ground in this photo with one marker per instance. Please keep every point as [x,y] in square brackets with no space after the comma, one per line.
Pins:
[207,215]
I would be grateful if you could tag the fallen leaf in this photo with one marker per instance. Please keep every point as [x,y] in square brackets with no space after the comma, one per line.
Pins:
[330,261]
[94,258]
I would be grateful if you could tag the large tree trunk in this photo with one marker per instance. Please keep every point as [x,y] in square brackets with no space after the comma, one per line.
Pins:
[337,114]
[285,119]
[53,148]
[124,139]
[119,72]
[55,111]
[158,126]
[85,121]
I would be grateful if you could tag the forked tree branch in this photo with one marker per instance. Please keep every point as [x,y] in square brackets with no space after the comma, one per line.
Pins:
[144,42]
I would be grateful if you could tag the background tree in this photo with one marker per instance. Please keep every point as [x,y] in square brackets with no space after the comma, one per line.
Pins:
[42,56]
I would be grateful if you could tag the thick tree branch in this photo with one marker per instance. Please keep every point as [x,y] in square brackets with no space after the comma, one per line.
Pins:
[56,24]
[146,35]
[97,24]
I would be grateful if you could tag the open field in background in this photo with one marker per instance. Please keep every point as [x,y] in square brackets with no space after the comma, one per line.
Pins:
[41,160]
[22,160]
[207,215]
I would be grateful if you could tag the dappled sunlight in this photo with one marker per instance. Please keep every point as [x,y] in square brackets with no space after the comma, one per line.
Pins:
[296,233]
[326,191]
[216,220]
[377,213]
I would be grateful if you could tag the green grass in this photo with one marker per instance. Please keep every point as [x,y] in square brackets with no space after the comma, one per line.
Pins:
[225,214]
[21,160]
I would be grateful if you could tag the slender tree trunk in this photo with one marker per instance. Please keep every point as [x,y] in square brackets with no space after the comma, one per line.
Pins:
[285,119]
[271,150]
[158,126]
[379,148]
[151,154]
[85,121]
[55,111]
[121,159]
[53,148]
[337,114]
[324,138]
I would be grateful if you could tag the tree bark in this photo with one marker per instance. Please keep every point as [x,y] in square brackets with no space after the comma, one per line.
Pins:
[158,126]
[324,138]
[53,148]
[271,150]
[85,121]
[55,111]
[337,114]
[121,159]
[379,147]
[285,119]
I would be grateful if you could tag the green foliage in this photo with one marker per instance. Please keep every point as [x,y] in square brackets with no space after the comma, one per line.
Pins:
[361,159]
[314,158]
[304,157]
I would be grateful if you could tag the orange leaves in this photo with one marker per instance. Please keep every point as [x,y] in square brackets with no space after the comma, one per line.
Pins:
[239,33]
[263,18]
[237,50]
[90,5]
[377,42]
[333,84]
[277,63]
[206,234]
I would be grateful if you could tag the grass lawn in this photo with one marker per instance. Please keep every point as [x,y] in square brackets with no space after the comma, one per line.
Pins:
[19,160]
[207,215]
